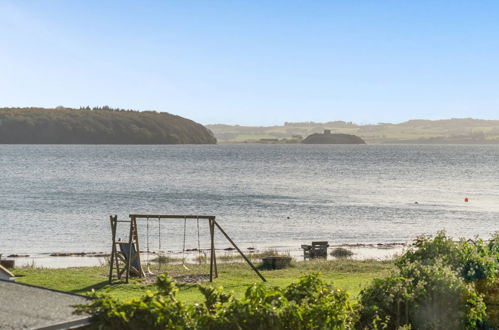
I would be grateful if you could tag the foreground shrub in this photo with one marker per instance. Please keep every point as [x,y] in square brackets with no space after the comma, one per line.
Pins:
[159,310]
[439,283]
[489,289]
[473,260]
[308,304]
[425,297]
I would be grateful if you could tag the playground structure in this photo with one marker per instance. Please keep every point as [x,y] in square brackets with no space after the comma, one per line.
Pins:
[125,255]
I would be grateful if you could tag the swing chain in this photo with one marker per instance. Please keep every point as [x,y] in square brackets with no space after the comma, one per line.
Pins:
[183,246]
[147,234]
[199,243]
[160,256]
[159,234]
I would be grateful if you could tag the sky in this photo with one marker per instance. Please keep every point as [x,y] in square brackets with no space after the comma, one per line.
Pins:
[255,62]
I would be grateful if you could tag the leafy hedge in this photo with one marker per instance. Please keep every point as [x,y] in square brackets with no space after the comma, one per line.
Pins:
[426,297]
[439,284]
[308,304]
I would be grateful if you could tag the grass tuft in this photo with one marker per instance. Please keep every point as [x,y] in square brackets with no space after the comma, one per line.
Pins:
[341,253]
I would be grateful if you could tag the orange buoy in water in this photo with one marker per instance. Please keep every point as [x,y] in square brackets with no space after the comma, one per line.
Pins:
[466,200]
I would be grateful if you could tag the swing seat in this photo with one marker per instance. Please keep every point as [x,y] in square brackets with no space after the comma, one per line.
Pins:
[125,247]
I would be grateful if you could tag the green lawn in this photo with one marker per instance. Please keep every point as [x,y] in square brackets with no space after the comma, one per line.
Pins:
[349,275]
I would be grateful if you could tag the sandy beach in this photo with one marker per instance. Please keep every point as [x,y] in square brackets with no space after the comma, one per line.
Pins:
[67,260]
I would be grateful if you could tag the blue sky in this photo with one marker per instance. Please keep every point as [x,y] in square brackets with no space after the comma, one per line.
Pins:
[255,62]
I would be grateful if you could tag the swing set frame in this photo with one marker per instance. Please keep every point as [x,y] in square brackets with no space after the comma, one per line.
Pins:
[131,262]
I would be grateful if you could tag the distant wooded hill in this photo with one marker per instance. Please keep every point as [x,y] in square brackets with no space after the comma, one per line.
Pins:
[328,138]
[449,131]
[98,126]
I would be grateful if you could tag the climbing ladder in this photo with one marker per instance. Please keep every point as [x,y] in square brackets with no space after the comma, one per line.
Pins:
[125,255]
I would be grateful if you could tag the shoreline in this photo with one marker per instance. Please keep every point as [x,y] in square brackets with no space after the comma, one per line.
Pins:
[362,251]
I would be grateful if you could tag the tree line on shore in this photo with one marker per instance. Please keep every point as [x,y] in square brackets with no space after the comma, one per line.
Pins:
[448,131]
[98,125]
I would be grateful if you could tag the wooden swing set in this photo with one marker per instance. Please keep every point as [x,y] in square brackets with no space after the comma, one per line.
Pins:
[125,255]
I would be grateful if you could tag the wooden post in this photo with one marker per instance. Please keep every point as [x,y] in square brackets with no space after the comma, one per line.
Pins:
[130,240]
[212,248]
[240,252]
[113,249]
[136,240]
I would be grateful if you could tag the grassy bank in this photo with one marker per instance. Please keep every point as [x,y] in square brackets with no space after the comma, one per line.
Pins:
[346,274]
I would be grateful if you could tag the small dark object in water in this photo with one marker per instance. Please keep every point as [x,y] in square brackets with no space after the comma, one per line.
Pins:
[251,248]
[229,249]
[416,203]
[18,256]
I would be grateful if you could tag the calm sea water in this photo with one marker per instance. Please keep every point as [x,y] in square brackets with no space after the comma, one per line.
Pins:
[58,198]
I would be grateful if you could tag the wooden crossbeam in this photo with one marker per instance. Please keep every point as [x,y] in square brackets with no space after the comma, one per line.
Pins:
[170,216]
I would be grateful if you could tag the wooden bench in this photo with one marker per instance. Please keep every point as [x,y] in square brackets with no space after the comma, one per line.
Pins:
[316,250]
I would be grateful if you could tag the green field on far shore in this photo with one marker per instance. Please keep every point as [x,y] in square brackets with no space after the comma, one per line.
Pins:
[349,275]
